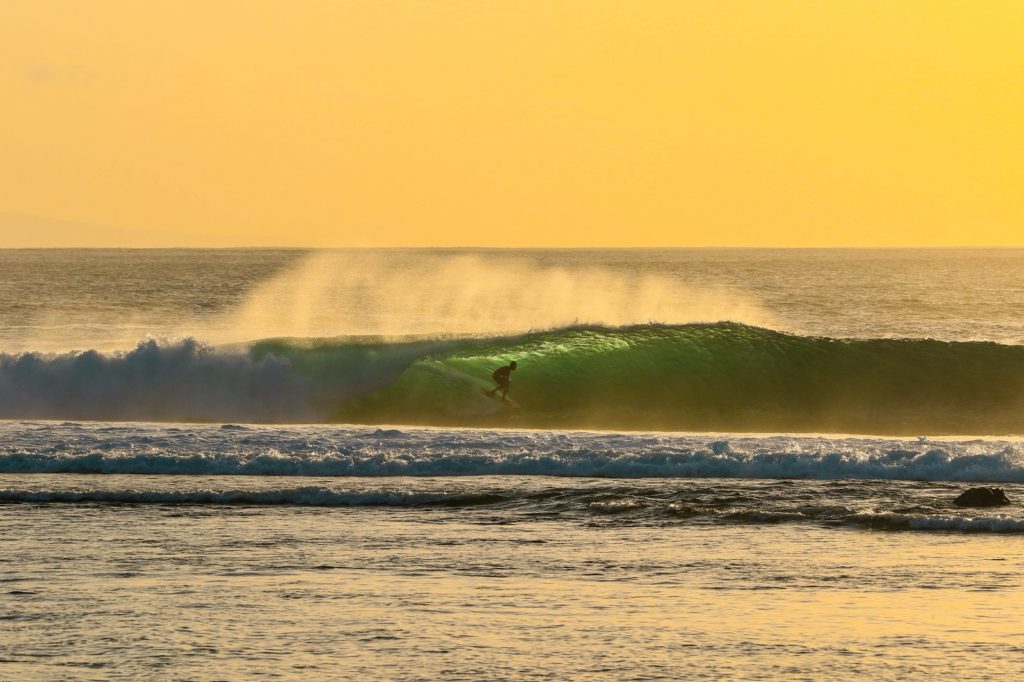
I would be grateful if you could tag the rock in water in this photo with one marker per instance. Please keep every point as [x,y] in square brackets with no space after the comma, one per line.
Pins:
[982,497]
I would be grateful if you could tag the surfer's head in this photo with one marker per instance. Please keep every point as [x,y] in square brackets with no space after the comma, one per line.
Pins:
[512,364]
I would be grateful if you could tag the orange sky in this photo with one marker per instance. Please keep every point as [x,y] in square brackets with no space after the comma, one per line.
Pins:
[554,123]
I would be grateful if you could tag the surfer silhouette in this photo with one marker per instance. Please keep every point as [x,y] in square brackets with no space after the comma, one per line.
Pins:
[501,377]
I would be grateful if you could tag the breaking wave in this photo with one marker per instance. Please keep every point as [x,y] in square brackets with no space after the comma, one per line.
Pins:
[697,377]
[933,465]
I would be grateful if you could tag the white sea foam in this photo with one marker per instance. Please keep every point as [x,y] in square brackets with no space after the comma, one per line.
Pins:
[34,447]
[184,380]
[977,524]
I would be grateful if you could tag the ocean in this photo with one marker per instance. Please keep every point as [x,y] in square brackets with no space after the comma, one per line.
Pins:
[736,463]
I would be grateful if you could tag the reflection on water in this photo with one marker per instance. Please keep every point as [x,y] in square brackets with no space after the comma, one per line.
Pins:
[98,591]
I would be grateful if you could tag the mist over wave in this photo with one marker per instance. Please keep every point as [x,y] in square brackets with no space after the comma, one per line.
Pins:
[399,293]
[107,300]
[411,336]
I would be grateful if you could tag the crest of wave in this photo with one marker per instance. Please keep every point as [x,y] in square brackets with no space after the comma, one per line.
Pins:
[398,293]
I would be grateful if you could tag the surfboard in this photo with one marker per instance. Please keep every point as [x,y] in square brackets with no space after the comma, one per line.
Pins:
[507,402]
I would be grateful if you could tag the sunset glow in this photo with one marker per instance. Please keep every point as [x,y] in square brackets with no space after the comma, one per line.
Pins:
[459,123]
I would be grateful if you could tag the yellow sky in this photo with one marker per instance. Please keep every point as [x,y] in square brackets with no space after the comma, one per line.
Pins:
[475,122]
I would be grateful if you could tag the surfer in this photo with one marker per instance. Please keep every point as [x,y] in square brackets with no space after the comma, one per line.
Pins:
[501,377]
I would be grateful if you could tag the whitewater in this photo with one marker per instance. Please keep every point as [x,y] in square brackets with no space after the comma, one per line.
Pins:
[237,450]
[282,463]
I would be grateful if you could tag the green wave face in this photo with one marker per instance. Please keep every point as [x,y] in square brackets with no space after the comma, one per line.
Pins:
[724,376]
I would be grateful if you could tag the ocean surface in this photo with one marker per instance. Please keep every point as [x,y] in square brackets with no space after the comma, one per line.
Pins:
[234,464]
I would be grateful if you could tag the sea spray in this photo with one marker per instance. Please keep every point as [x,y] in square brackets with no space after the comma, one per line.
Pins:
[400,293]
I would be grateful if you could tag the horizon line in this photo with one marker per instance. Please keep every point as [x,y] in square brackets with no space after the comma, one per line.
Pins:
[905,247]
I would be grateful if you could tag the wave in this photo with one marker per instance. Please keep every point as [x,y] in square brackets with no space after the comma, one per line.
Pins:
[180,381]
[698,377]
[352,452]
[938,522]
[613,504]
[303,496]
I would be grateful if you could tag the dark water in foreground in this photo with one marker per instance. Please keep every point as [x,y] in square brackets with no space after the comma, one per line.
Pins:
[565,578]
